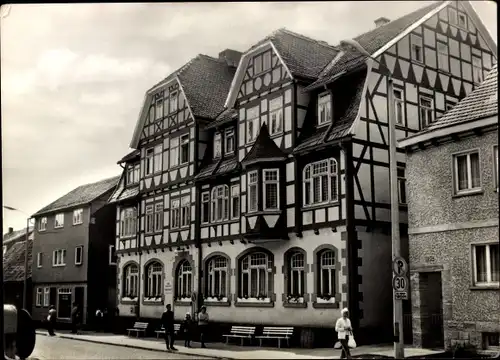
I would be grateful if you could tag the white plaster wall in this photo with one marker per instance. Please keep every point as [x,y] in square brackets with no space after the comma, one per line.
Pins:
[279,314]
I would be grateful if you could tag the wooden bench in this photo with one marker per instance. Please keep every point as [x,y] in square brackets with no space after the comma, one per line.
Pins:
[242,332]
[139,327]
[177,328]
[278,333]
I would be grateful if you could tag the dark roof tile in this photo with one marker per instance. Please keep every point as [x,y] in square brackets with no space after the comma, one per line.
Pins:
[83,194]
[13,261]
[263,148]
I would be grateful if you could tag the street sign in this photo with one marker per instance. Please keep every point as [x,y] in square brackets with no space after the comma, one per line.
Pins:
[399,266]
[400,283]
[401,295]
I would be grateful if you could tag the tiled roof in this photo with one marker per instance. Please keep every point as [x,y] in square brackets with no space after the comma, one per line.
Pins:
[227,166]
[347,98]
[83,194]
[122,192]
[304,56]
[207,170]
[224,118]
[373,40]
[16,235]
[206,82]
[263,148]
[481,103]
[13,261]
[133,155]
[218,167]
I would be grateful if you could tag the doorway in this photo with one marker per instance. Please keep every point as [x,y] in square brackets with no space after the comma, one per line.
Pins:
[64,303]
[431,309]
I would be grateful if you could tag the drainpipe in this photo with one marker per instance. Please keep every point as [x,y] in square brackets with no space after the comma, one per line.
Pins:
[139,278]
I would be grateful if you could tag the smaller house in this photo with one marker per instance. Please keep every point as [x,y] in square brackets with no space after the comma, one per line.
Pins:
[14,250]
[452,179]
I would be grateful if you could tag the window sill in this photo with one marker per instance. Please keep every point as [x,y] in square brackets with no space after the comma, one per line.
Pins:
[300,305]
[156,173]
[152,301]
[128,301]
[127,237]
[320,205]
[60,265]
[468,193]
[80,264]
[177,167]
[256,303]
[485,287]
[185,227]
[216,303]
[219,222]
[59,227]
[182,303]
[264,212]
[78,224]
[326,305]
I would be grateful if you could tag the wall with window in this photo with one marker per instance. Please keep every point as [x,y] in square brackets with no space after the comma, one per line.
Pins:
[453,219]
[265,283]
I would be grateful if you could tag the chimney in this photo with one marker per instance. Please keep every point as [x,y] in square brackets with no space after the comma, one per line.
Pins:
[381,21]
[11,230]
[232,57]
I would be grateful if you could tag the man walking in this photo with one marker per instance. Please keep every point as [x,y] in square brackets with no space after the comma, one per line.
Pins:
[74,318]
[167,320]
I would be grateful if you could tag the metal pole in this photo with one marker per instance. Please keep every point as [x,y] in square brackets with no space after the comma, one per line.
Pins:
[25,283]
[396,241]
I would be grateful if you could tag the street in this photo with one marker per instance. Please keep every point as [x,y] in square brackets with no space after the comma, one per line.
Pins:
[53,348]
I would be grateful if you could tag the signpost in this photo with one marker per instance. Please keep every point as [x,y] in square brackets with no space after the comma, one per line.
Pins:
[400,280]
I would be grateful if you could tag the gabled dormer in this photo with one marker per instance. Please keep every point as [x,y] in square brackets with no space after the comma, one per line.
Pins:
[264,170]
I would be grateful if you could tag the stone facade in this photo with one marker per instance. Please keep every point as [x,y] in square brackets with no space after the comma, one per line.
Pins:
[443,229]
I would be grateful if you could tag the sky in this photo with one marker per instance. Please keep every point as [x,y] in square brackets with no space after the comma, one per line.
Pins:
[74,75]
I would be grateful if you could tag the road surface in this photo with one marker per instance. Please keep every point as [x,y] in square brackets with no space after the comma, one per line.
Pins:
[55,348]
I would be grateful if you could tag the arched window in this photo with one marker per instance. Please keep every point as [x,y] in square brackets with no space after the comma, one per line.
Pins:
[327,273]
[296,274]
[154,280]
[320,182]
[256,276]
[184,280]
[220,203]
[130,281]
[217,277]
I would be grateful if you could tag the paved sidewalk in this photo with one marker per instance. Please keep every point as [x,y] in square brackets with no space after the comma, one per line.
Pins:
[223,351]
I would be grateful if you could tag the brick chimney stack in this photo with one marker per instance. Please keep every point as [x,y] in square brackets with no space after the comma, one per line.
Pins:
[232,57]
[381,21]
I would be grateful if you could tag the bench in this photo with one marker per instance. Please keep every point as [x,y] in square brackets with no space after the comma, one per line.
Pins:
[177,328]
[242,332]
[139,327]
[278,333]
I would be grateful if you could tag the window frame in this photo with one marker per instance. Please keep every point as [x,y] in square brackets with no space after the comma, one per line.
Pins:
[205,207]
[39,297]
[332,176]
[58,224]
[78,216]
[149,161]
[416,42]
[173,98]
[149,219]
[213,270]
[278,111]
[185,217]
[46,296]
[80,248]
[266,182]
[399,101]
[220,192]
[158,217]
[128,275]
[133,174]
[429,110]
[255,121]
[333,278]
[229,134]
[153,287]
[477,69]
[470,189]
[464,16]
[128,222]
[175,213]
[302,274]
[158,104]
[42,221]
[62,258]
[325,103]
[268,272]
[112,255]
[39,260]
[253,185]
[401,181]
[182,271]
[157,159]
[260,58]
[445,56]
[217,141]
[495,166]
[489,272]
[183,143]
[235,197]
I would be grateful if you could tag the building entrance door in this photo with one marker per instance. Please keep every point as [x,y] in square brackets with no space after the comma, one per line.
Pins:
[64,303]
[431,309]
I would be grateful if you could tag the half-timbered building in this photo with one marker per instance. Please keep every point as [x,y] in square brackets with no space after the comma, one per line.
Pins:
[291,211]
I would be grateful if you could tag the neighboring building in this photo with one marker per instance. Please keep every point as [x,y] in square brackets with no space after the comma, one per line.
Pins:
[14,250]
[73,253]
[452,175]
[278,205]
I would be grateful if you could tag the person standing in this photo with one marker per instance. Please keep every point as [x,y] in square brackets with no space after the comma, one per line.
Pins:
[51,320]
[74,318]
[344,329]
[187,328]
[167,320]
[203,324]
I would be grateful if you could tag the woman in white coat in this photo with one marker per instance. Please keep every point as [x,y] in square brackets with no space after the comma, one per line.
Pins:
[344,329]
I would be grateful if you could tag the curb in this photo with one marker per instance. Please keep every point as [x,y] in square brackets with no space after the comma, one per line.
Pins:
[138,347]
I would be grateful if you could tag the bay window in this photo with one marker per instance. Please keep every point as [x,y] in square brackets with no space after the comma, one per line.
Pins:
[154,285]
[467,172]
[132,174]
[253,186]
[128,222]
[320,182]
[271,189]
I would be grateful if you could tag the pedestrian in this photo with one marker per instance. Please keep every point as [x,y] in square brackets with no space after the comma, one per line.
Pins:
[51,320]
[74,318]
[187,328]
[203,324]
[344,329]
[105,319]
[99,317]
[167,320]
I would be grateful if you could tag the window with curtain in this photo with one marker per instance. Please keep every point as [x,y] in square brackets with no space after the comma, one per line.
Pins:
[296,274]
[256,276]
[220,203]
[154,280]
[486,264]
[184,280]
[130,281]
[326,273]
[271,189]
[467,172]
[320,184]
[217,277]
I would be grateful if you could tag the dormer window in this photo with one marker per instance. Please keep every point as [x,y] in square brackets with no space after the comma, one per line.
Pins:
[324,109]
[217,145]
[276,116]
[132,174]
[229,141]
[174,104]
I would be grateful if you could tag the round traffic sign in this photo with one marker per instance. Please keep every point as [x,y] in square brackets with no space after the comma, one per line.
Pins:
[399,266]
[400,283]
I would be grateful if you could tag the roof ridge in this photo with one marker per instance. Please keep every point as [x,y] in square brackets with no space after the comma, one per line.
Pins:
[319,42]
